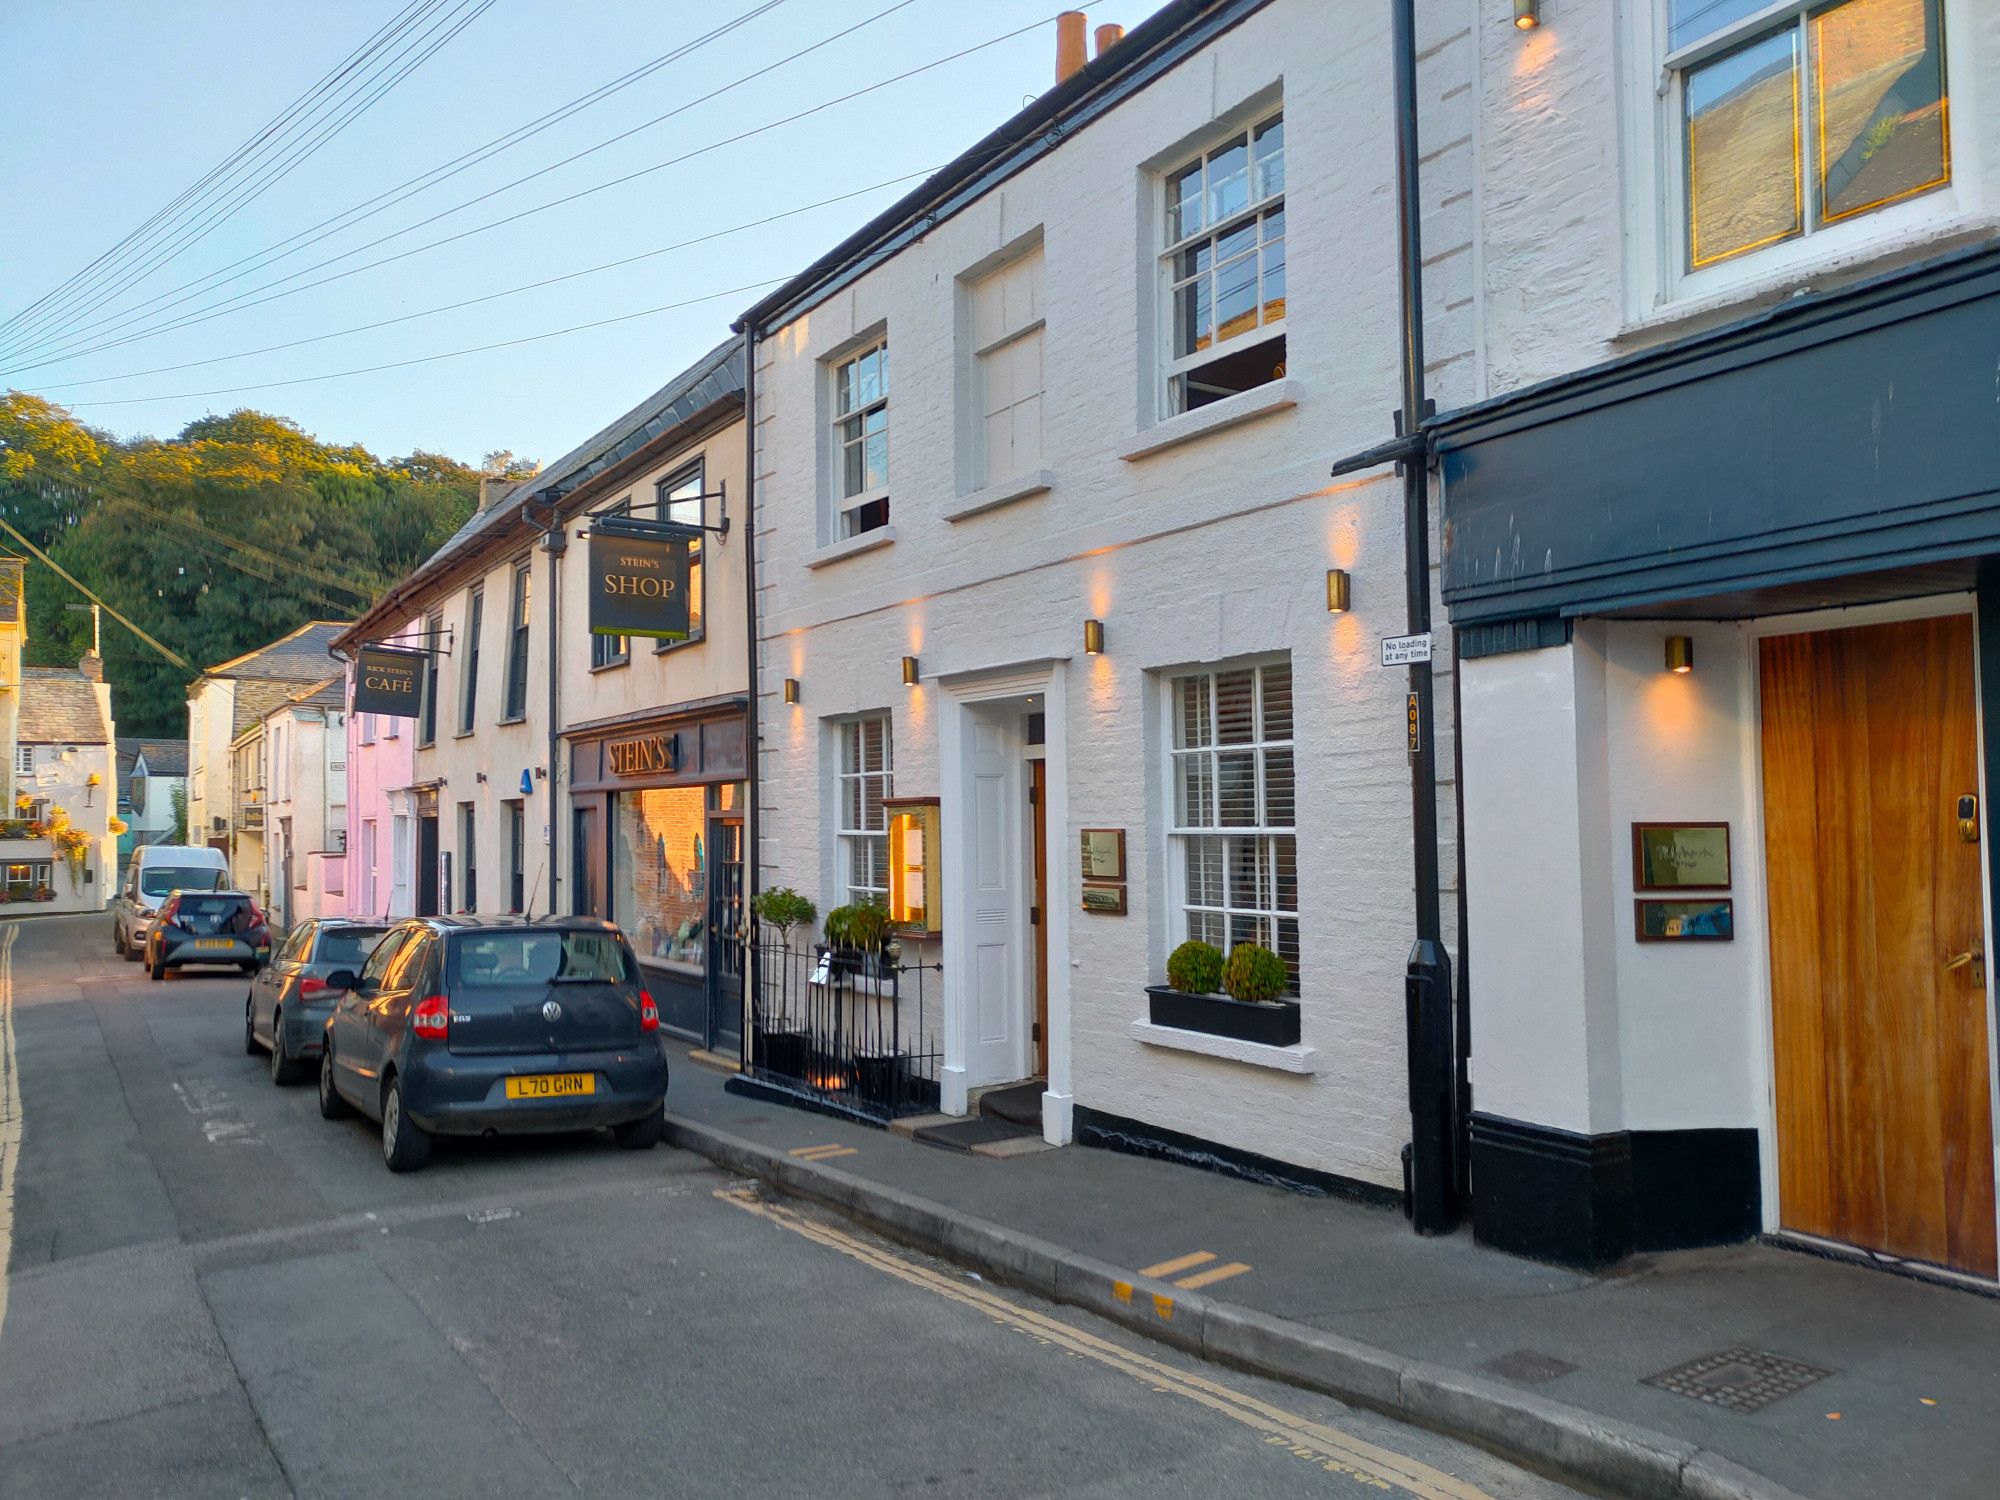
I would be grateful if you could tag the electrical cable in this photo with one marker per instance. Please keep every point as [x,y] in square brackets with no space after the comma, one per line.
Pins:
[512,291]
[423,181]
[268,555]
[240,299]
[61,302]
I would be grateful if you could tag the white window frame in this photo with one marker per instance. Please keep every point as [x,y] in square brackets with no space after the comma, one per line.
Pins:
[1662,286]
[1178,834]
[1174,367]
[693,472]
[845,506]
[846,837]
[980,356]
[24,760]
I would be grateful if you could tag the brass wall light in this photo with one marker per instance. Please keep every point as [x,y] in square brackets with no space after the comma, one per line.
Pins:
[1680,654]
[1339,591]
[791,690]
[909,671]
[1093,637]
[1527,14]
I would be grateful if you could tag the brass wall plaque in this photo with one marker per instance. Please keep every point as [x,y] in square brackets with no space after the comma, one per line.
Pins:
[1680,856]
[1106,900]
[1103,854]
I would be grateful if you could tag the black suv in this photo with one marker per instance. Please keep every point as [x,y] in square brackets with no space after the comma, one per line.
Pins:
[208,927]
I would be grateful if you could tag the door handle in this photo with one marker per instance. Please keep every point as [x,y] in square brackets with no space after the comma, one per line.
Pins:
[1975,958]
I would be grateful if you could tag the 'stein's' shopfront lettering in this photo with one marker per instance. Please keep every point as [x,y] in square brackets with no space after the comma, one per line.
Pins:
[646,754]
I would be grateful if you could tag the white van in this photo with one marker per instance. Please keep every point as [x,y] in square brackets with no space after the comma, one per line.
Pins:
[155,872]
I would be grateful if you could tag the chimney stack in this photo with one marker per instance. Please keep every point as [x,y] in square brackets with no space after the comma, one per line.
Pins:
[1071,47]
[491,488]
[1109,37]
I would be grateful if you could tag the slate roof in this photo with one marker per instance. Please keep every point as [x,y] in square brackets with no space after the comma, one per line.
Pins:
[256,697]
[59,707]
[299,657]
[163,757]
[331,693]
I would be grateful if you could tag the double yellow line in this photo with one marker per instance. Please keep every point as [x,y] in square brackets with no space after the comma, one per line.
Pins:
[10,1109]
[1326,1447]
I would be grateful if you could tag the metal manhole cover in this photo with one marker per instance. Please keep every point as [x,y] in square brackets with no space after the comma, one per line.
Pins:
[1528,1366]
[1739,1380]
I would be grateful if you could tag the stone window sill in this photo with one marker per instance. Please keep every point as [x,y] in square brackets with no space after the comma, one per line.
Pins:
[853,546]
[1297,1058]
[993,496]
[1217,416]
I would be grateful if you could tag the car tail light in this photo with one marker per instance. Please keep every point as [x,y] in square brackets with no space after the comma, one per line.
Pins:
[311,988]
[256,915]
[649,1013]
[431,1018]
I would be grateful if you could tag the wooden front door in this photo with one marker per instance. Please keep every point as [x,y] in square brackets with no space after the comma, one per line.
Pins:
[1878,988]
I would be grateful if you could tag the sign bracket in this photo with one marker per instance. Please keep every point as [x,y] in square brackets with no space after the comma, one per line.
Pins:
[427,642]
[621,511]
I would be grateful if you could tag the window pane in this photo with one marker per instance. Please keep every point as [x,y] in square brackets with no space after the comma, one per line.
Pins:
[1192,721]
[1744,187]
[1270,151]
[1878,68]
[1236,788]
[1274,266]
[1194,790]
[874,744]
[1228,181]
[1236,296]
[1288,950]
[1280,800]
[1691,20]
[1278,701]
[1206,927]
[659,887]
[875,448]
[1184,203]
[853,467]
[1234,695]
[1285,866]
[1192,324]
[1204,872]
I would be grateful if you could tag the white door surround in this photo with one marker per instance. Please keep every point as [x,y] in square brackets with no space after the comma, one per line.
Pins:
[989,1003]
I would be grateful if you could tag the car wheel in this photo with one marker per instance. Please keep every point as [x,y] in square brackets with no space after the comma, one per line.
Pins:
[118,939]
[249,1032]
[406,1146]
[159,969]
[642,1134]
[331,1105]
[284,1068]
[130,951]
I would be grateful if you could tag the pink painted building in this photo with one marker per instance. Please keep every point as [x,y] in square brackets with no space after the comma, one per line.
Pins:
[381,812]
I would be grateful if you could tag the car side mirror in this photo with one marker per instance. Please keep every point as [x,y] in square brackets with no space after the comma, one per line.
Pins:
[341,979]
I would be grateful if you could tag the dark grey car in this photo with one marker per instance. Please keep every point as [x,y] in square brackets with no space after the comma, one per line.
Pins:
[289,1001]
[495,1026]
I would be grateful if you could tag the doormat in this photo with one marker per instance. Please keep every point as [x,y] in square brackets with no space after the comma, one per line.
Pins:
[963,1135]
[1022,1103]
[1739,1380]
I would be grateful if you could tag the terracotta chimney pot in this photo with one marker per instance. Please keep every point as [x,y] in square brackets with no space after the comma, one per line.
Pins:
[1071,48]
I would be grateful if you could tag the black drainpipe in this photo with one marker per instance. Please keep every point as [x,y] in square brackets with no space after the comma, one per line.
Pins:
[555,541]
[751,749]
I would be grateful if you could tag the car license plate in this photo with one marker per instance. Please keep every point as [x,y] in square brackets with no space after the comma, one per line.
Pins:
[215,942]
[551,1085]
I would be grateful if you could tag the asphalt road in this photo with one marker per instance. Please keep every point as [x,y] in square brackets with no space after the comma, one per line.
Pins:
[212,1292]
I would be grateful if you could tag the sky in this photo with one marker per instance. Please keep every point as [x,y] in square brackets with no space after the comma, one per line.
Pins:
[115,108]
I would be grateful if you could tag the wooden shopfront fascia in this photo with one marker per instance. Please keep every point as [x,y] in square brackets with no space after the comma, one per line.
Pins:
[690,745]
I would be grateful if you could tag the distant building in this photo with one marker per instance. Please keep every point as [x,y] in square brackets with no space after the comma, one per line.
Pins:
[149,773]
[305,803]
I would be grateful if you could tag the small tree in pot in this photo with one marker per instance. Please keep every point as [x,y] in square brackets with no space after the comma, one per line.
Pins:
[1242,998]
[780,1040]
[1255,974]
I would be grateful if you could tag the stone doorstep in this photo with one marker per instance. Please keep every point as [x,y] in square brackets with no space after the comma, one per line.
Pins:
[1026,1145]
[1548,1435]
[909,1125]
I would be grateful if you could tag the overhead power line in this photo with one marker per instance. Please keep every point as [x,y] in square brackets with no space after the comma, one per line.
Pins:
[512,291]
[273,555]
[275,123]
[241,299]
[82,588]
[388,198]
[92,294]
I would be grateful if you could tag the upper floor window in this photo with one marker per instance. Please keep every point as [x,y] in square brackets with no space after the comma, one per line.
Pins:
[1005,310]
[427,711]
[861,441]
[610,650]
[364,725]
[683,497]
[1224,267]
[516,706]
[24,759]
[468,688]
[1797,117]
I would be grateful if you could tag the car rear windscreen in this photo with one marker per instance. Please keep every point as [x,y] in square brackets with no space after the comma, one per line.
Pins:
[508,955]
[158,880]
[347,945]
[223,913]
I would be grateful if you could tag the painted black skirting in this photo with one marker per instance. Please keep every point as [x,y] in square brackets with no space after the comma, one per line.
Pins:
[1137,1138]
[1584,1200]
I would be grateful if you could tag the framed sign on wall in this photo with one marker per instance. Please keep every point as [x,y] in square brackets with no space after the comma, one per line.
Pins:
[1103,854]
[1711,920]
[1680,856]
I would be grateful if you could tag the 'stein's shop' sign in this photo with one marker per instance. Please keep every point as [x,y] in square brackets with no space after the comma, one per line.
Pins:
[638,583]
[388,681]
[648,755]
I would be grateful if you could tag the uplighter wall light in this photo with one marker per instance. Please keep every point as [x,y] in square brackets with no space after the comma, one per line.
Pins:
[909,671]
[1680,654]
[1093,637]
[791,690]
[1527,14]
[1339,591]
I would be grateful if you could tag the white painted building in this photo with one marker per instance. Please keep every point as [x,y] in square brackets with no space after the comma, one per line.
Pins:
[63,771]
[1083,390]
[305,803]
[1720,545]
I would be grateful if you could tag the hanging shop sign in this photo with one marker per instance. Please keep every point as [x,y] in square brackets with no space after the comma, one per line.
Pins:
[389,681]
[639,579]
[644,755]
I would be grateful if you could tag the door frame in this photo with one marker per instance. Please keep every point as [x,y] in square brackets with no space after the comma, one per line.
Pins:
[1756,884]
[962,694]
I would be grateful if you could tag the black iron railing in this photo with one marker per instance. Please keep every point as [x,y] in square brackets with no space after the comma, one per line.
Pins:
[848,1029]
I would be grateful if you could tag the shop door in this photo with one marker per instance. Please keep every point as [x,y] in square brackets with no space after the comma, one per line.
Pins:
[1878,985]
[1038,828]
[725,946]
[586,860]
[427,867]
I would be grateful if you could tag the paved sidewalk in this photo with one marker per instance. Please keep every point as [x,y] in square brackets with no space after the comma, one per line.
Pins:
[1911,1408]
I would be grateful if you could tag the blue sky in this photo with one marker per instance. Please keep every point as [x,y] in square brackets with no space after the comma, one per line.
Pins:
[122,104]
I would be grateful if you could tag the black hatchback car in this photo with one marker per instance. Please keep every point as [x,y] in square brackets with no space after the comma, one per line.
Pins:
[208,927]
[492,1026]
[289,1001]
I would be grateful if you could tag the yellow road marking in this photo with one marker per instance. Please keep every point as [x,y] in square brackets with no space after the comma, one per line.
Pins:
[824,1152]
[1212,1275]
[1179,1263]
[10,1110]
[1327,1446]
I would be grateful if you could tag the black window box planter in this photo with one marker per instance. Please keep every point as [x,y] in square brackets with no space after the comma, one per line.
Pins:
[1275,1025]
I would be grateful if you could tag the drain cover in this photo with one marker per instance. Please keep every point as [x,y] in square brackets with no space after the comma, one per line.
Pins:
[1528,1366]
[1740,1380]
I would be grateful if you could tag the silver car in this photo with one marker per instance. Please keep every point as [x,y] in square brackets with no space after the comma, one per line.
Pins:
[290,1000]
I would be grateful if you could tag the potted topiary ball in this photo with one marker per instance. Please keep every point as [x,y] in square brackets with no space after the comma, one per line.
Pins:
[1242,998]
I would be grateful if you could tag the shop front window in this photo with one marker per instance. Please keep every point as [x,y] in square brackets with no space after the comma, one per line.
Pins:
[659,872]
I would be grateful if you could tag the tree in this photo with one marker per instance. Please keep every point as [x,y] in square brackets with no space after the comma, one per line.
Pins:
[178,799]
